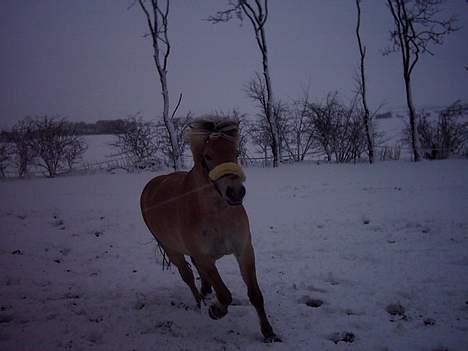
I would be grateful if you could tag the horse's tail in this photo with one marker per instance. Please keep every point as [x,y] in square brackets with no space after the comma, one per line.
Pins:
[166,262]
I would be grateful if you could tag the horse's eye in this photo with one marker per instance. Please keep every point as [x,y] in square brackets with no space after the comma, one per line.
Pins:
[207,157]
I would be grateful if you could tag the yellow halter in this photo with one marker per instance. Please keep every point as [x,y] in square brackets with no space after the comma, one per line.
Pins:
[226,168]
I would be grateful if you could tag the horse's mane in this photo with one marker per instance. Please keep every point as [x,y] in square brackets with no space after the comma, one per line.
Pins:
[207,126]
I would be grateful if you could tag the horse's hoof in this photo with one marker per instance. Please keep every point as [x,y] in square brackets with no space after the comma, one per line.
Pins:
[272,338]
[217,312]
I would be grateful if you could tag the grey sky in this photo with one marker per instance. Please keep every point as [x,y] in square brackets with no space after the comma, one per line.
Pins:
[88,59]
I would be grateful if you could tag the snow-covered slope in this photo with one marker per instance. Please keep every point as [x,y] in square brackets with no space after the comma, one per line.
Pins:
[349,257]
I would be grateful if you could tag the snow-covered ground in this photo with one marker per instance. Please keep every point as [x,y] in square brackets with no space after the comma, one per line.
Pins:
[374,255]
[99,148]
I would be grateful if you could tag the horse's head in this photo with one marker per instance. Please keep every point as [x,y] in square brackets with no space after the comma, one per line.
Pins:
[218,152]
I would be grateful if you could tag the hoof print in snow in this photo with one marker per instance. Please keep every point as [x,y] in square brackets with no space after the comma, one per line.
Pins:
[396,310]
[71,296]
[98,233]
[429,322]
[311,302]
[65,251]
[58,223]
[94,337]
[165,328]
[337,337]
[6,318]
[350,312]
[98,319]
[365,220]
[139,305]
[17,252]
[332,279]
[57,260]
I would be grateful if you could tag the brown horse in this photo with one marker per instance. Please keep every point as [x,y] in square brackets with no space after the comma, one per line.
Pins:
[200,214]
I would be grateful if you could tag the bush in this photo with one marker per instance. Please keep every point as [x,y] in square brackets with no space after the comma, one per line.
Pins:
[21,138]
[56,145]
[5,153]
[339,129]
[138,142]
[444,137]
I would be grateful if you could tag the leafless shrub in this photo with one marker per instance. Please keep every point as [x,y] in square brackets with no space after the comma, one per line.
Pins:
[390,152]
[56,145]
[139,143]
[21,139]
[339,129]
[445,136]
[180,125]
[5,154]
[299,138]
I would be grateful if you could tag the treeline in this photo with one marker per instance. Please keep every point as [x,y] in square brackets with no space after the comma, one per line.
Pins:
[100,127]
[110,126]
[331,129]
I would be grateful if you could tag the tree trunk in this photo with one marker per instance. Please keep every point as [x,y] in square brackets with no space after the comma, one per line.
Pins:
[269,111]
[412,120]
[176,160]
[367,118]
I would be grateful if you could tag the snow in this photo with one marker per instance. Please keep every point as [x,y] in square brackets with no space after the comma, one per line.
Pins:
[338,247]
[99,148]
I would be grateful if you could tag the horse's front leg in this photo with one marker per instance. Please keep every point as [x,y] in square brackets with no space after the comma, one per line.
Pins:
[207,268]
[246,260]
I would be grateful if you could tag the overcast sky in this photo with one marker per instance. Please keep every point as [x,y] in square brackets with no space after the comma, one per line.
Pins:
[89,60]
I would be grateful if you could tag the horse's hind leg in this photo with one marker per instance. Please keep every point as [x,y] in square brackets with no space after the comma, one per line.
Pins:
[205,283]
[186,273]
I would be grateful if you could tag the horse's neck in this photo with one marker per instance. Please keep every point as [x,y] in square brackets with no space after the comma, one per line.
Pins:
[205,192]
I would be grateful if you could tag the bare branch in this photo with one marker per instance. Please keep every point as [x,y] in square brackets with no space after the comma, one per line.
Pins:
[177,106]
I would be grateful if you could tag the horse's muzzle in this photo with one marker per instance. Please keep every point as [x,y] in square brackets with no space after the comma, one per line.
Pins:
[235,195]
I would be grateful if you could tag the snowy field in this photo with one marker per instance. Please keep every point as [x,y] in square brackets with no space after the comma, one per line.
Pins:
[349,257]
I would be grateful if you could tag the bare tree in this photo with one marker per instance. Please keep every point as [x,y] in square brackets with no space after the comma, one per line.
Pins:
[56,144]
[322,116]
[417,26]
[260,136]
[157,20]
[257,13]
[257,91]
[367,118]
